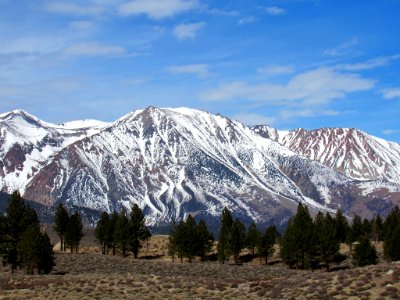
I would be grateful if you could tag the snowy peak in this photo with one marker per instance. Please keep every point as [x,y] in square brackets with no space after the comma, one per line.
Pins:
[347,150]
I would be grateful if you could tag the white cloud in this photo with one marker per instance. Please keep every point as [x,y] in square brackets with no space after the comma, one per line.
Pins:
[391,93]
[157,9]
[93,49]
[81,25]
[369,64]
[188,31]
[342,49]
[75,9]
[32,45]
[247,20]
[276,70]
[307,113]
[310,88]
[391,131]
[200,70]
[251,119]
[275,11]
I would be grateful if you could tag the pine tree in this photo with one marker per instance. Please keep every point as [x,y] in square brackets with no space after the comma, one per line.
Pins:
[364,253]
[391,227]
[74,234]
[367,228]
[377,229]
[172,240]
[138,230]
[46,255]
[18,217]
[252,238]
[28,248]
[342,226]
[205,240]
[101,231]
[328,244]
[289,253]
[60,226]
[190,242]
[237,239]
[223,246]
[122,232]
[355,232]
[266,242]
[111,232]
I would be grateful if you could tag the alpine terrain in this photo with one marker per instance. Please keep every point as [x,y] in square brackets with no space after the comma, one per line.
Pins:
[173,162]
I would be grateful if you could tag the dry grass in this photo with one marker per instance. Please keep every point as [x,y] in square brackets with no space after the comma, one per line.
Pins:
[91,275]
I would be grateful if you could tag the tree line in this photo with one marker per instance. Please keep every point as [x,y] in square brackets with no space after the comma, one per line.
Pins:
[308,243]
[22,244]
[123,231]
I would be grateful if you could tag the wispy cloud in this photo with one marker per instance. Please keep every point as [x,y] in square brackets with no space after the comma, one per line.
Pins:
[275,11]
[276,70]
[251,119]
[369,64]
[200,70]
[307,113]
[247,20]
[94,49]
[391,131]
[82,25]
[157,9]
[391,93]
[343,49]
[75,9]
[309,88]
[188,31]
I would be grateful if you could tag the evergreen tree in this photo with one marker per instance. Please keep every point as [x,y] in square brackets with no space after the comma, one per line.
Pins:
[28,248]
[299,240]
[266,242]
[252,238]
[46,255]
[341,226]
[288,251]
[224,236]
[122,232]
[111,232]
[355,231]
[205,240]
[172,240]
[60,226]
[237,239]
[18,217]
[190,241]
[391,227]
[138,230]
[364,252]
[377,229]
[74,234]
[101,231]
[367,228]
[328,244]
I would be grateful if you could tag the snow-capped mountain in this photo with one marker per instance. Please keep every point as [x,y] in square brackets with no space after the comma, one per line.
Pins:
[347,150]
[27,144]
[173,162]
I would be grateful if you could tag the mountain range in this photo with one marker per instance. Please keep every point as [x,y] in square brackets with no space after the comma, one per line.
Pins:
[173,162]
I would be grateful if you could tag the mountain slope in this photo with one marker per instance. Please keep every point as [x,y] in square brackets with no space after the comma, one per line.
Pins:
[27,144]
[173,162]
[349,151]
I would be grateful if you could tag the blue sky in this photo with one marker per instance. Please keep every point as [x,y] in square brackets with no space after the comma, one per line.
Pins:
[287,63]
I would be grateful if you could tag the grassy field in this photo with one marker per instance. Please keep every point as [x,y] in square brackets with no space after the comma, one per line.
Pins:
[91,275]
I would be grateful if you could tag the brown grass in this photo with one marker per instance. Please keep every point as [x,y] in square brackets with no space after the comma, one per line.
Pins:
[90,275]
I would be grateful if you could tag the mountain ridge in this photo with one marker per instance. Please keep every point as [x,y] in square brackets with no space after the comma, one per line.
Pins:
[175,161]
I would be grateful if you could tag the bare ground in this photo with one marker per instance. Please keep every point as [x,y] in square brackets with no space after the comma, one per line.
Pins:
[91,275]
